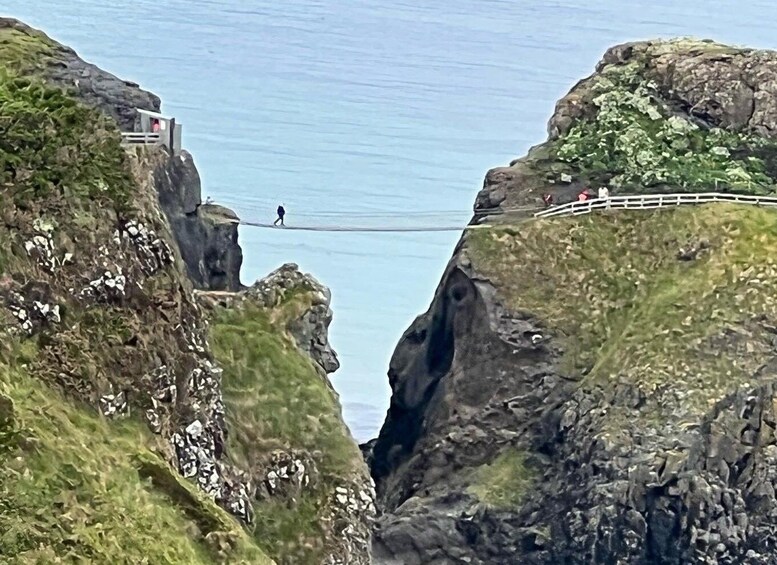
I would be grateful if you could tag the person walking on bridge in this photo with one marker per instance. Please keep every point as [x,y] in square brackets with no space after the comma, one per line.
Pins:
[281,213]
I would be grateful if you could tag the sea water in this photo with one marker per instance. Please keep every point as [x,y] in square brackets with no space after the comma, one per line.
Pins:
[366,113]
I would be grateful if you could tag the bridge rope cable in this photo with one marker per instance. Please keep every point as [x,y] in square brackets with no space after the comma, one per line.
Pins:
[629,202]
[385,214]
[440,220]
[376,229]
[434,221]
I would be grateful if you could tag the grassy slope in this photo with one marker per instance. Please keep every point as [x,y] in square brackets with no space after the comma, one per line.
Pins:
[77,488]
[73,486]
[22,51]
[276,400]
[610,285]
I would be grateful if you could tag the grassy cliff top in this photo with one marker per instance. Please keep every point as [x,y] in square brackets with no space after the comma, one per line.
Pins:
[651,298]
[23,49]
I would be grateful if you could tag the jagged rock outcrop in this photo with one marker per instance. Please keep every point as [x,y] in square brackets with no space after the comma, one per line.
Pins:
[272,340]
[310,328]
[584,390]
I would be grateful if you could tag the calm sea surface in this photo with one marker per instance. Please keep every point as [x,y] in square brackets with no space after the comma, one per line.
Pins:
[366,113]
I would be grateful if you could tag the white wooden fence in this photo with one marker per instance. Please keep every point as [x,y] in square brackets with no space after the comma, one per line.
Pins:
[139,138]
[652,201]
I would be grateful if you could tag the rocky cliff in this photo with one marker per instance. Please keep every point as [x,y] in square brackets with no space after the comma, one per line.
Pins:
[601,389]
[206,235]
[136,426]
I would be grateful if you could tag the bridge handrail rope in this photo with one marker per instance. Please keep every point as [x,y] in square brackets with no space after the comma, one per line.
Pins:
[576,208]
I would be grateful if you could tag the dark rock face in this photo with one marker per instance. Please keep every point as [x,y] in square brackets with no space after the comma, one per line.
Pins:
[206,234]
[468,381]
[621,471]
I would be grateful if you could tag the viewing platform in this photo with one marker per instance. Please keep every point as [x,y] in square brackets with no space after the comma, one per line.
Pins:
[152,128]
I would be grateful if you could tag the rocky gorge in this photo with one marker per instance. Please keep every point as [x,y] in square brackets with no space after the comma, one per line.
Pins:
[592,389]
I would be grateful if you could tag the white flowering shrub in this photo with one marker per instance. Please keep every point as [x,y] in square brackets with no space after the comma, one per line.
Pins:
[635,140]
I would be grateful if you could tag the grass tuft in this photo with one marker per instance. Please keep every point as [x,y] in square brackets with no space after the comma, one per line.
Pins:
[503,482]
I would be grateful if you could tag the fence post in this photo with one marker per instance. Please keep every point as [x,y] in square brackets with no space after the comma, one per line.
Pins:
[172,137]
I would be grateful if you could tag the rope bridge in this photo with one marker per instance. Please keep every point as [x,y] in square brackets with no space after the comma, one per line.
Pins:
[631,202]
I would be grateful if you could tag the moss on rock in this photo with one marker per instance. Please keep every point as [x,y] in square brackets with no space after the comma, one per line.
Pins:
[74,487]
[637,295]
[96,317]
[502,483]
[629,353]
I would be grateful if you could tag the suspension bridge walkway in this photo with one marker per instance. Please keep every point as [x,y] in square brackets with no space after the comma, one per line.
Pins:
[527,213]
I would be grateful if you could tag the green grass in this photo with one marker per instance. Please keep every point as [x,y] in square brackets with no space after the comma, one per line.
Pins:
[275,399]
[625,307]
[74,488]
[23,51]
[503,482]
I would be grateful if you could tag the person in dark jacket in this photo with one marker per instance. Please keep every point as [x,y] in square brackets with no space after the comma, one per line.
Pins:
[281,213]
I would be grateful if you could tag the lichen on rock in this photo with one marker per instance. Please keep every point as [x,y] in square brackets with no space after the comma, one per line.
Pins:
[94,301]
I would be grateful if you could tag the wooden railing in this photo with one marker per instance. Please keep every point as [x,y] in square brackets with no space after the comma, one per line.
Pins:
[652,201]
[139,138]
